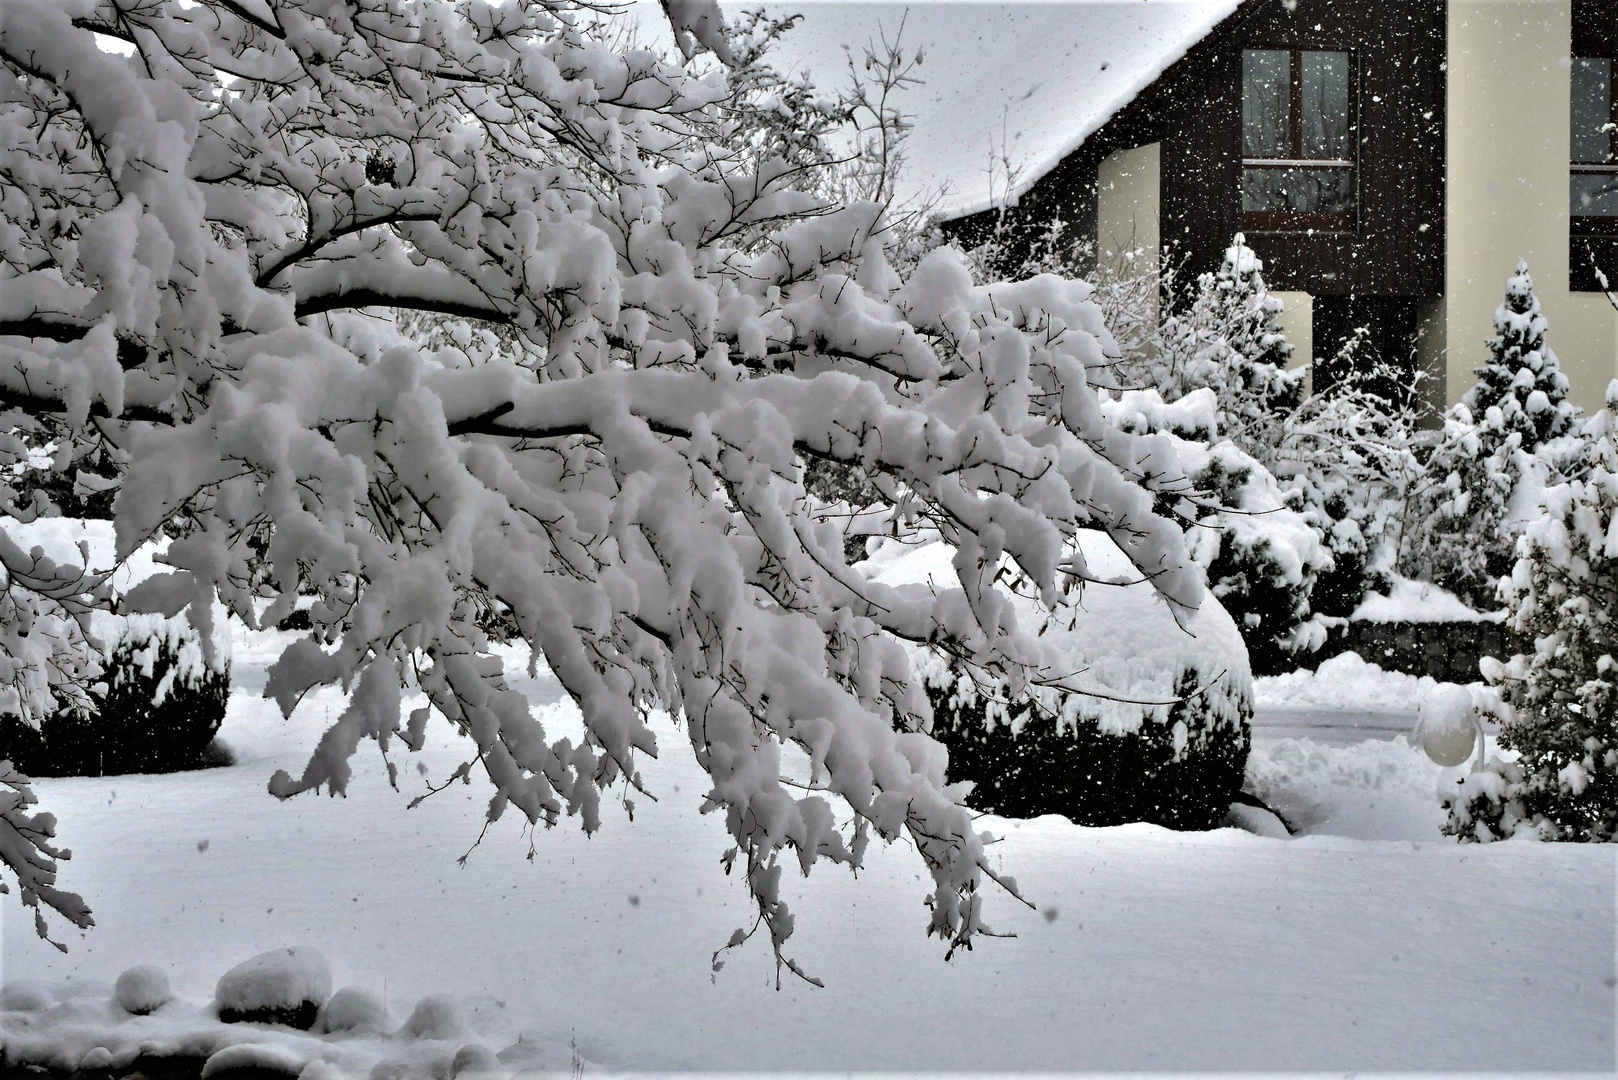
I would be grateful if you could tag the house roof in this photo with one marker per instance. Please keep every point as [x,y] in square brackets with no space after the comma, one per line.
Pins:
[1025,83]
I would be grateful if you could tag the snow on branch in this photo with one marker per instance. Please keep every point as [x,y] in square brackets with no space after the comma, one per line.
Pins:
[26,849]
[646,335]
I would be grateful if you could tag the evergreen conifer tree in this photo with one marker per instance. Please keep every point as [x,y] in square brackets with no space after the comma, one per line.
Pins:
[1231,341]
[1522,378]
[1460,533]
[1561,712]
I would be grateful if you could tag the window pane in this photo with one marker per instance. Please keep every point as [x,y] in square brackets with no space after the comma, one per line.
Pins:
[1300,191]
[1266,103]
[1592,110]
[1595,194]
[1325,106]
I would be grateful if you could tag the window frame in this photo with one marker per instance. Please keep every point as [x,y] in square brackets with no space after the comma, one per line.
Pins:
[1333,221]
[1583,225]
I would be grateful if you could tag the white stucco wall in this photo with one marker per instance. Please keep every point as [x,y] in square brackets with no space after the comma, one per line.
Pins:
[1298,324]
[1128,196]
[1507,156]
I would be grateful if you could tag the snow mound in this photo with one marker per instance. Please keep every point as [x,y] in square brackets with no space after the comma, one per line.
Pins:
[435,1016]
[260,1058]
[279,986]
[474,1059]
[1420,602]
[352,1009]
[1344,679]
[1374,790]
[141,990]
[24,997]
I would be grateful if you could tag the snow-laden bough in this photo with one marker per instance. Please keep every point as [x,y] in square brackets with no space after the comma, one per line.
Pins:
[202,233]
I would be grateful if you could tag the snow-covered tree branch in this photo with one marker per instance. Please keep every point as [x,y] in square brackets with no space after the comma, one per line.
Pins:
[197,229]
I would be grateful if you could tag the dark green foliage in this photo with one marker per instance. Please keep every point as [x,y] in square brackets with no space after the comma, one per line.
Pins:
[301,1016]
[1095,777]
[1248,576]
[1562,697]
[127,732]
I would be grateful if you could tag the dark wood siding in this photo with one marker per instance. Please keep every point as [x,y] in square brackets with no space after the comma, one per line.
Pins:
[1595,33]
[1396,247]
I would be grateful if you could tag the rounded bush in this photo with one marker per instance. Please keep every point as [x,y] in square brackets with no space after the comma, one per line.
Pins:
[1162,736]
[352,1010]
[157,710]
[282,986]
[1181,768]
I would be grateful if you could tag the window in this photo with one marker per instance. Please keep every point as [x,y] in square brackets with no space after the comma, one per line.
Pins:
[1298,136]
[1593,174]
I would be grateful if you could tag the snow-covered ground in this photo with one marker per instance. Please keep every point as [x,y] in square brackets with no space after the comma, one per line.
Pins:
[1368,943]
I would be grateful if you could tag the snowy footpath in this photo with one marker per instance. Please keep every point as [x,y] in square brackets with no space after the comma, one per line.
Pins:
[1370,942]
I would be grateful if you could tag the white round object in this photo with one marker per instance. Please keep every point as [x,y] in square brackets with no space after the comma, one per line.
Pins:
[1448,725]
[1449,747]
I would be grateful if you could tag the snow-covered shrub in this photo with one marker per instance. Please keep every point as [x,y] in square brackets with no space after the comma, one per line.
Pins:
[1560,709]
[1230,340]
[1132,716]
[435,1016]
[141,990]
[1347,457]
[1262,556]
[1462,525]
[283,986]
[622,472]
[24,997]
[352,1009]
[157,708]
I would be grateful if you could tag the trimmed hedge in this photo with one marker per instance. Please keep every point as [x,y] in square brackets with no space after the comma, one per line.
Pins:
[1031,765]
[157,711]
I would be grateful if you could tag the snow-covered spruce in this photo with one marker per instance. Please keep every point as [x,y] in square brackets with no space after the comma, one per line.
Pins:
[622,474]
[1230,340]
[1522,377]
[1133,715]
[1560,707]
[1466,514]
[156,708]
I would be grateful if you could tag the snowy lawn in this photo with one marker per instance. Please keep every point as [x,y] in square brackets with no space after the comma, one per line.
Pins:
[1152,950]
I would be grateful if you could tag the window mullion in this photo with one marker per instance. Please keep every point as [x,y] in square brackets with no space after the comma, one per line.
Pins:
[1296,66]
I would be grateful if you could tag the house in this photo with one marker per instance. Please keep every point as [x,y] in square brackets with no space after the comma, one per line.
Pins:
[1389,159]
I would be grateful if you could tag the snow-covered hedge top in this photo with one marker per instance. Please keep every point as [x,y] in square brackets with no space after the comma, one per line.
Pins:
[278,979]
[92,546]
[1114,646]
[1418,602]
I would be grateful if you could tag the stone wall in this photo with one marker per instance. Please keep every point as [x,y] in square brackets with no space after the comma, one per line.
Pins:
[1447,651]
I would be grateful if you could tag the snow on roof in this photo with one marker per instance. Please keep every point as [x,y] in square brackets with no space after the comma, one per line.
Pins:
[1025,81]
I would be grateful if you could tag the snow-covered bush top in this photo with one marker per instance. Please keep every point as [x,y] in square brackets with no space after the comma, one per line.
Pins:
[1112,648]
[196,233]
[278,979]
